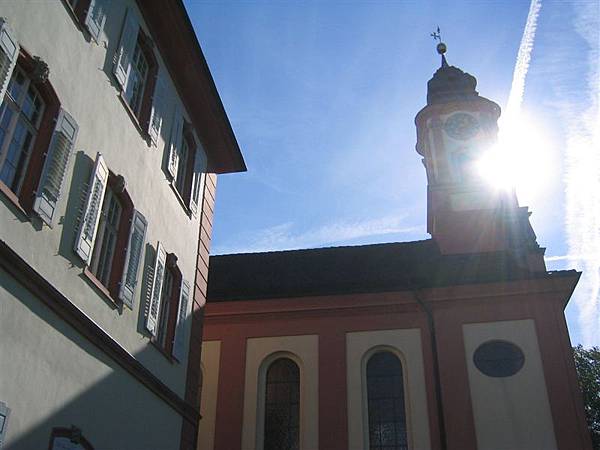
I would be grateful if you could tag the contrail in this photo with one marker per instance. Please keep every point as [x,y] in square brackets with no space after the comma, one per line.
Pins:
[515,98]
[582,178]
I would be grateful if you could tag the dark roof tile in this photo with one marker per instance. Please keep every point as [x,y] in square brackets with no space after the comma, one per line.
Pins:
[356,269]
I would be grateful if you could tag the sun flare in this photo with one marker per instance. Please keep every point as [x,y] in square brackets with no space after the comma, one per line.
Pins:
[521,159]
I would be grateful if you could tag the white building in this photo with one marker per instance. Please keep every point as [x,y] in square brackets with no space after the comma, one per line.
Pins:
[111,133]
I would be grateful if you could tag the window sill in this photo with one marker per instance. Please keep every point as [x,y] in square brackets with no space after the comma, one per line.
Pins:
[95,282]
[135,120]
[185,207]
[163,351]
[13,199]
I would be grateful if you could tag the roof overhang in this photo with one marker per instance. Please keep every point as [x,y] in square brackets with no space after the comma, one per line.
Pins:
[174,35]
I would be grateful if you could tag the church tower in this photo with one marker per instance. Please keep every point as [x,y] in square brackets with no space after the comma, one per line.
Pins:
[465,214]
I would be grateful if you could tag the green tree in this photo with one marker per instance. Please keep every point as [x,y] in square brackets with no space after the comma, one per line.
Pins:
[587,362]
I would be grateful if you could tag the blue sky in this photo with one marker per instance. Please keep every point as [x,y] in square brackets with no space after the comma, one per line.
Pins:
[322,97]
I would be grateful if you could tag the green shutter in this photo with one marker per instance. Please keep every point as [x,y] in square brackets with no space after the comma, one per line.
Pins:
[156,292]
[135,247]
[86,237]
[55,167]
[126,48]
[9,52]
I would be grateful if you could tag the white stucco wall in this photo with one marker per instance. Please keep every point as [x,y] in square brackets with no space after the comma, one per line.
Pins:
[52,377]
[406,344]
[81,74]
[511,413]
[304,350]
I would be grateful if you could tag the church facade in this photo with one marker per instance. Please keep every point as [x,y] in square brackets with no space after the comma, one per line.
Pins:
[455,342]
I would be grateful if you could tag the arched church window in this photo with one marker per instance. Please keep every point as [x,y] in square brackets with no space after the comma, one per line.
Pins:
[386,409]
[282,406]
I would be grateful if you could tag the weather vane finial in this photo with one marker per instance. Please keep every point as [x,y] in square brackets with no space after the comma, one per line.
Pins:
[441,47]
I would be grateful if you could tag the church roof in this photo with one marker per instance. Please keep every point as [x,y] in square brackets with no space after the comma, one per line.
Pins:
[355,269]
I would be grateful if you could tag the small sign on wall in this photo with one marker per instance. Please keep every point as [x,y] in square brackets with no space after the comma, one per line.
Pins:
[4,413]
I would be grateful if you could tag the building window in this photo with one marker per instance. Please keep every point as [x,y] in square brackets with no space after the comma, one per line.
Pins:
[137,81]
[111,235]
[69,439]
[90,14]
[185,167]
[106,237]
[499,359]
[36,135]
[20,116]
[168,305]
[136,71]
[282,406]
[386,406]
[165,335]
[186,162]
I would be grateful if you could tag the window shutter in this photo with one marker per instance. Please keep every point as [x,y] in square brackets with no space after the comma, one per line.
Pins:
[184,300]
[4,413]
[158,109]
[9,51]
[91,215]
[156,293]
[200,163]
[55,167]
[137,234]
[126,48]
[176,140]
[95,17]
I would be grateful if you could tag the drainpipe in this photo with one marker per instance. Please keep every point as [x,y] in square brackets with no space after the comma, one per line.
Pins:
[436,367]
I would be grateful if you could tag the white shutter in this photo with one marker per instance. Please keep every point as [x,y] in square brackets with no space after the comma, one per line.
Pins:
[4,413]
[200,163]
[9,51]
[182,313]
[84,243]
[158,108]
[55,167]
[95,17]
[124,55]
[137,234]
[176,141]
[156,293]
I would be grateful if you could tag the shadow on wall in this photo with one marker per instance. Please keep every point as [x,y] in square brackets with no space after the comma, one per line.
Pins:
[63,380]
[71,221]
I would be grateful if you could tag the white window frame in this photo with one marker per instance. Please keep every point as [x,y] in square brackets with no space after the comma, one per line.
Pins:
[16,106]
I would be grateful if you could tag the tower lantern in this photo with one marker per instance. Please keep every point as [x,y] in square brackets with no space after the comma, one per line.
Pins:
[465,214]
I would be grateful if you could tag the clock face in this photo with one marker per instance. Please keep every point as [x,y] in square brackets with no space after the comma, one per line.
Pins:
[461,126]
